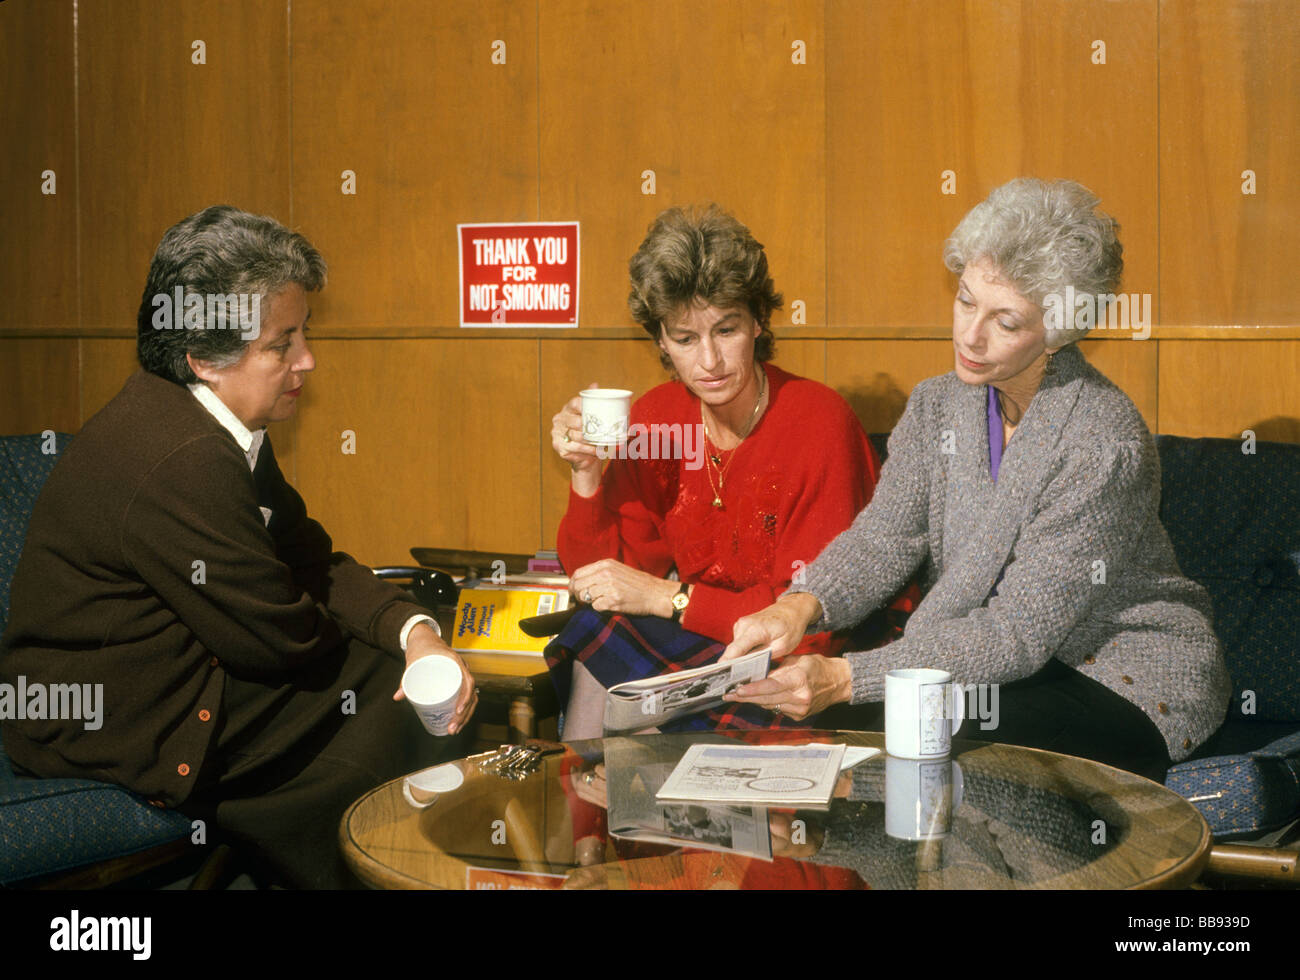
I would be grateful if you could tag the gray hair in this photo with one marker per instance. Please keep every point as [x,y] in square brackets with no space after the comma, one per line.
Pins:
[220,254]
[1043,237]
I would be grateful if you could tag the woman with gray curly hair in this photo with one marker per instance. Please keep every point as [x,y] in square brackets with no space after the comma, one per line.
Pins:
[734,474]
[1024,486]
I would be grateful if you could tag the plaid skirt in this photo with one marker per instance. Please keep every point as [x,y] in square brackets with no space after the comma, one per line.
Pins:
[616,648]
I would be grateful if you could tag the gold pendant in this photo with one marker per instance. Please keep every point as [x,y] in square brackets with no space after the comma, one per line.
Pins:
[717,502]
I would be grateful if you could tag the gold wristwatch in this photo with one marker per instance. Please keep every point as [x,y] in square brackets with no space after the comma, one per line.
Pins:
[679,602]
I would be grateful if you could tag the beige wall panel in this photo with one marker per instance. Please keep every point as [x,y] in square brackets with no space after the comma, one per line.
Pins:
[1229,78]
[992,91]
[1132,365]
[38,385]
[446,445]
[162,137]
[406,96]
[1221,387]
[876,376]
[706,96]
[38,268]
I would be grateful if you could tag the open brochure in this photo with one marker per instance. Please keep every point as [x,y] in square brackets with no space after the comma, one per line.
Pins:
[634,705]
[776,775]
[634,814]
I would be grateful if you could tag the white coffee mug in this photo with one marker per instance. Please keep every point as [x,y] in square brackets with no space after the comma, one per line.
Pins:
[923,710]
[604,415]
[920,797]
[432,685]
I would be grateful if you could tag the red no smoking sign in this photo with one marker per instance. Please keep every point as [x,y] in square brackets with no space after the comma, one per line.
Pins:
[523,275]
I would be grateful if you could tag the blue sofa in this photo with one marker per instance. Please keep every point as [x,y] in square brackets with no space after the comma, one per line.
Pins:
[1234,519]
[71,832]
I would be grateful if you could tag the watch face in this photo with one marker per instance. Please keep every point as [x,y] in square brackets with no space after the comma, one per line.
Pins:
[680,600]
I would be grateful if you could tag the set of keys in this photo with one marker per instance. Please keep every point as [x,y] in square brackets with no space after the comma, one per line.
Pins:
[515,761]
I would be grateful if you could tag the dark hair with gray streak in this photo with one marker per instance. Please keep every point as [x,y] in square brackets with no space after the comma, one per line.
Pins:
[219,251]
[701,256]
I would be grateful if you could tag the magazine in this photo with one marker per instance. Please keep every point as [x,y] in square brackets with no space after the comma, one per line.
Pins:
[776,775]
[634,814]
[635,705]
[487,618]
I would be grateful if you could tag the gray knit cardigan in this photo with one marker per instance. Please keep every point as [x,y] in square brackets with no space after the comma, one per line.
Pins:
[1088,573]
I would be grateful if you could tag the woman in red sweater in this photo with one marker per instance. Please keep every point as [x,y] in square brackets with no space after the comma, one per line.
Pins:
[752,471]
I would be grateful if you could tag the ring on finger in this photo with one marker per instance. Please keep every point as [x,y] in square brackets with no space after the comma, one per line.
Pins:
[586,595]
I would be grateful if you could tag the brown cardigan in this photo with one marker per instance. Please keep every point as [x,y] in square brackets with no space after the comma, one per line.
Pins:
[108,591]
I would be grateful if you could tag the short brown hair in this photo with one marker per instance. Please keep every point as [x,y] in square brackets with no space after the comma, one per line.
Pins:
[701,255]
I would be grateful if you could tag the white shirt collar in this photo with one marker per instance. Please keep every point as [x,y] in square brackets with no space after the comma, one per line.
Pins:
[249,442]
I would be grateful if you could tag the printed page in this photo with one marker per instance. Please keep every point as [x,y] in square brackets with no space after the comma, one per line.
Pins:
[636,705]
[779,775]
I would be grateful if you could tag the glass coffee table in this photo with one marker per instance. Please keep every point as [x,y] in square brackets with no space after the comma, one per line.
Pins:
[989,816]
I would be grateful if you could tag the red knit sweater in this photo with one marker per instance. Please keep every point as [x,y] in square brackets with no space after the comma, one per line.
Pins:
[798,480]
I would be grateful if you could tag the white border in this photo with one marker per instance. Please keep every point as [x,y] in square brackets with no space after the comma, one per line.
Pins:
[577,277]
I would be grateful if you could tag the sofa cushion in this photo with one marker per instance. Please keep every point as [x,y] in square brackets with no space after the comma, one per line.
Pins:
[1244,795]
[1232,518]
[49,826]
[25,462]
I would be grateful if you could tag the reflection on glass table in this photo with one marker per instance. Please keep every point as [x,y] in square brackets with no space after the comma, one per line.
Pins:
[990,816]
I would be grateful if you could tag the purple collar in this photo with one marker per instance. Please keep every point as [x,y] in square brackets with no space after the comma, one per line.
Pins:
[995,434]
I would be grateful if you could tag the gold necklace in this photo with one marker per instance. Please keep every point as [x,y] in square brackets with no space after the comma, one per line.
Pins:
[713,458]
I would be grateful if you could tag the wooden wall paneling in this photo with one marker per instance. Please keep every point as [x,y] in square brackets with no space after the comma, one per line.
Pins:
[106,363]
[1229,78]
[877,376]
[1220,388]
[446,445]
[991,91]
[1133,367]
[406,96]
[162,137]
[38,269]
[706,96]
[801,356]
[38,385]
[568,366]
